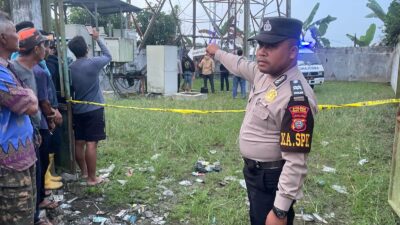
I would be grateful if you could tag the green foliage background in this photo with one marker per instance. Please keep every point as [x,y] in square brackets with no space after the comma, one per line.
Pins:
[392,24]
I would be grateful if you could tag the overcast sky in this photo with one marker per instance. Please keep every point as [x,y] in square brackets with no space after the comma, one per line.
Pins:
[350,16]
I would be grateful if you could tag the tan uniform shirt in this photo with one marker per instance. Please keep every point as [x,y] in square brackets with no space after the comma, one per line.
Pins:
[207,66]
[260,131]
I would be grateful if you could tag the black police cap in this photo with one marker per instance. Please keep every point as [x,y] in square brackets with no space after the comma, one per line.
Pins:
[277,29]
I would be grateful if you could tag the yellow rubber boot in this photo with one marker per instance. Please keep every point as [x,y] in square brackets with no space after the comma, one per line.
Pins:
[51,185]
[48,174]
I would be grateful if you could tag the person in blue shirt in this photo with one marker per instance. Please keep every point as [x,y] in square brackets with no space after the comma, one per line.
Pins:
[17,153]
[89,123]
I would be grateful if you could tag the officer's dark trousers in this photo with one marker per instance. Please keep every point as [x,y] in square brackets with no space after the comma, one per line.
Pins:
[262,185]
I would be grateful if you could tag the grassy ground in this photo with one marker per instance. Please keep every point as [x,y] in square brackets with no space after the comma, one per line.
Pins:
[342,137]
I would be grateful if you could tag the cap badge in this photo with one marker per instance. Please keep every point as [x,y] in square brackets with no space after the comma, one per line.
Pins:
[271,95]
[267,26]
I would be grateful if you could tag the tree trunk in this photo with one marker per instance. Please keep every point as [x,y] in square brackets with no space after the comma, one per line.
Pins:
[27,10]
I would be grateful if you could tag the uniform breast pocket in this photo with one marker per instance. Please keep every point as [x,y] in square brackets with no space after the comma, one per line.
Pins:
[261,112]
[260,118]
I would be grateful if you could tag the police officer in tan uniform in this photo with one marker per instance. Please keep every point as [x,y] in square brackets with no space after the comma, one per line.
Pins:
[276,134]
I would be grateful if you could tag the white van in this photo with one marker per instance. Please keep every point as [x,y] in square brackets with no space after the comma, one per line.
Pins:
[311,67]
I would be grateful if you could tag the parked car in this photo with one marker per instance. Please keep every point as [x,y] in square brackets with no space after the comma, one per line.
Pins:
[311,67]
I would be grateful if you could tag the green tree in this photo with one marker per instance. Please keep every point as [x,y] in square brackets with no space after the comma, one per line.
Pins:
[78,15]
[366,39]
[392,24]
[164,30]
[318,28]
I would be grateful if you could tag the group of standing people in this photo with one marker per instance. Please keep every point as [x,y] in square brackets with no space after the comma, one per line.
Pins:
[28,117]
[30,120]
[206,66]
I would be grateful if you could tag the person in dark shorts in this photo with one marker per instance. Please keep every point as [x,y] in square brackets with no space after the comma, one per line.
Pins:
[89,124]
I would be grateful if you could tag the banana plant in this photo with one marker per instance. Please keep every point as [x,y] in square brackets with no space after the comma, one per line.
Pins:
[364,40]
[318,28]
[377,11]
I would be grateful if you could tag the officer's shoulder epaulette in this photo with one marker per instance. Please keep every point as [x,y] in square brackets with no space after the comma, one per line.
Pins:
[297,88]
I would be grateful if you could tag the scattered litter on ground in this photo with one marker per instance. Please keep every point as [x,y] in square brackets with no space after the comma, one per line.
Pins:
[147,169]
[168,193]
[156,156]
[104,175]
[213,151]
[205,167]
[58,198]
[130,218]
[99,213]
[307,217]
[129,171]
[328,169]
[99,219]
[158,220]
[230,178]
[108,170]
[122,182]
[65,206]
[319,218]
[185,183]
[321,182]
[67,177]
[121,213]
[198,180]
[71,200]
[148,214]
[243,183]
[340,189]
[197,174]
[362,162]
[324,143]
[330,215]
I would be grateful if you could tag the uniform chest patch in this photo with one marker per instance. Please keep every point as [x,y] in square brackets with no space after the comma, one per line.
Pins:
[271,95]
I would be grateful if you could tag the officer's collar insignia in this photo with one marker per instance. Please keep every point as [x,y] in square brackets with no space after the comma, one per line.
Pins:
[267,26]
[271,95]
[280,80]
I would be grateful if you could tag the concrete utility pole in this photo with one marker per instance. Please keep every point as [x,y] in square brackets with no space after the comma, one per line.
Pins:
[27,10]
[246,28]
[194,24]
[46,15]
[288,8]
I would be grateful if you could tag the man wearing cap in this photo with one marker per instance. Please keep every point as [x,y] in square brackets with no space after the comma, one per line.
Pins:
[17,153]
[276,132]
[31,52]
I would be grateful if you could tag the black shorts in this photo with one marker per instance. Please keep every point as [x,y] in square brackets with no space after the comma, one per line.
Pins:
[90,126]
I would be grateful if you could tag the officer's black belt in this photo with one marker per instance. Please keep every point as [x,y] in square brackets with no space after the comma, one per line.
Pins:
[263,165]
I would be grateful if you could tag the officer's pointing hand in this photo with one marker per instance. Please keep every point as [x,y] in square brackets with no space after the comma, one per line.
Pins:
[212,49]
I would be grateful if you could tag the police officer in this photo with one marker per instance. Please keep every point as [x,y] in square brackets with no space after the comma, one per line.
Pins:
[276,132]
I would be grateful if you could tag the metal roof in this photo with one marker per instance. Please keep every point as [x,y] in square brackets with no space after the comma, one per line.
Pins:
[104,6]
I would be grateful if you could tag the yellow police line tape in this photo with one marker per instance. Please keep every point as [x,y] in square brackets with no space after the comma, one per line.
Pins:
[195,111]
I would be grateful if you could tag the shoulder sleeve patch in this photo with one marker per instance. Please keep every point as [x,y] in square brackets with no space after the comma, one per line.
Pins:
[297,127]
